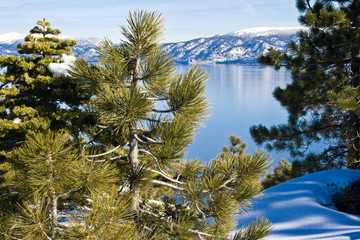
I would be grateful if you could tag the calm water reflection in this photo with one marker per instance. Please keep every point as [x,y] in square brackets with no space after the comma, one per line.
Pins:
[241,96]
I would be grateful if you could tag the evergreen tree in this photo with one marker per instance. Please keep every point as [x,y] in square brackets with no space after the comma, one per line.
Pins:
[323,98]
[32,98]
[65,196]
[147,116]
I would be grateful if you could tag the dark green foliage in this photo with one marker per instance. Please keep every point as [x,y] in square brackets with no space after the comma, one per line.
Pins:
[349,199]
[33,99]
[322,99]
[283,172]
[259,229]
[54,178]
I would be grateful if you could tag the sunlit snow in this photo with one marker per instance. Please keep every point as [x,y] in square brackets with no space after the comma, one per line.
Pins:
[62,68]
[265,31]
[303,209]
[11,37]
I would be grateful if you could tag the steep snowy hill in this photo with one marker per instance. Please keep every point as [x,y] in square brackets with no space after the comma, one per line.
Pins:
[243,46]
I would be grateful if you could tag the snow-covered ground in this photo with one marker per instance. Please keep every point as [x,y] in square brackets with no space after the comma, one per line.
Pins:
[302,208]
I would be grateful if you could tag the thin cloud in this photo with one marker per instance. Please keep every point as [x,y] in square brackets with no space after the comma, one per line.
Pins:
[18,3]
[248,7]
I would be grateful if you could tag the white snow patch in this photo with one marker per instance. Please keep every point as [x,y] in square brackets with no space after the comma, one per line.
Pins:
[11,37]
[62,68]
[303,209]
[17,120]
[266,31]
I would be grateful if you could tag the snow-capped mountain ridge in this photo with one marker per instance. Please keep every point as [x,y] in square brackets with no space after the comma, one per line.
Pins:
[241,47]
[265,31]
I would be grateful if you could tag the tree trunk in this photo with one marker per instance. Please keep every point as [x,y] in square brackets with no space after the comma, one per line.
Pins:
[134,151]
[354,151]
[54,200]
[134,160]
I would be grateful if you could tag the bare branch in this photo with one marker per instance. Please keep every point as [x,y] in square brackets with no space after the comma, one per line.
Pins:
[162,111]
[108,152]
[202,213]
[150,153]
[167,185]
[109,159]
[201,233]
[150,140]
[146,143]
[155,158]
[165,176]
[43,232]
[227,182]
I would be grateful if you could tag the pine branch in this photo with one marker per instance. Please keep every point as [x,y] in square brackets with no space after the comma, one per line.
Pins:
[309,5]
[157,98]
[149,153]
[162,111]
[43,232]
[227,182]
[163,174]
[150,140]
[146,143]
[202,233]
[168,220]
[109,159]
[155,158]
[74,189]
[105,153]
[167,185]
[8,236]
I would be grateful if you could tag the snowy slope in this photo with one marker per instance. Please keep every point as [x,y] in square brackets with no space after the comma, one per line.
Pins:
[302,208]
[243,46]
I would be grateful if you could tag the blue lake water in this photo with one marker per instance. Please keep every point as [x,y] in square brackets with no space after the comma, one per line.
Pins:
[241,96]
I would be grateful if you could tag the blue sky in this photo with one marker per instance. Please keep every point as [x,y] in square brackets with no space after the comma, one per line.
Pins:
[184,19]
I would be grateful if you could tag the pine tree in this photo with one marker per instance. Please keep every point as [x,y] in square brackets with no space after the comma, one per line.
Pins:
[282,172]
[32,98]
[322,99]
[147,116]
[64,195]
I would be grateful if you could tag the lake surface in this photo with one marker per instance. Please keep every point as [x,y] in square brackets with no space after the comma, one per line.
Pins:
[241,96]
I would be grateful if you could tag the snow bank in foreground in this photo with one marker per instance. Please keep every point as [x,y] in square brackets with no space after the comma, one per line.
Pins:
[302,208]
